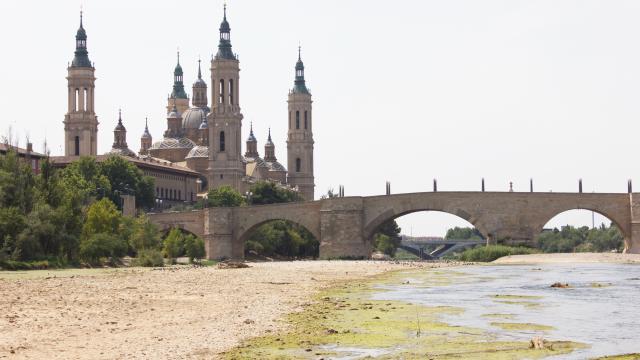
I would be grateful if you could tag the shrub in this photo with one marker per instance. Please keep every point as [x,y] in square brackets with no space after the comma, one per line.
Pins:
[149,258]
[102,245]
[24,265]
[493,252]
[194,247]
[225,196]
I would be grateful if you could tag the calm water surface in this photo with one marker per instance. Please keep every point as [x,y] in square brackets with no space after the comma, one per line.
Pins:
[607,318]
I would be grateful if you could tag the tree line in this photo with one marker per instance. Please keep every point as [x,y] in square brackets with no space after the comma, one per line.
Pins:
[71,216]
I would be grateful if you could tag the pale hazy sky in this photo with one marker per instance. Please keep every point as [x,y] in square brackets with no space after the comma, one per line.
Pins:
[404,91]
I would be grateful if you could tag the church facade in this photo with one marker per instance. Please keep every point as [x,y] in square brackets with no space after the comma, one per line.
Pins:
[201,136]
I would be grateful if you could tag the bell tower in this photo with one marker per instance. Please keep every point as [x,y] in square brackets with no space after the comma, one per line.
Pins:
[300,136]
[226,165]
[81,122]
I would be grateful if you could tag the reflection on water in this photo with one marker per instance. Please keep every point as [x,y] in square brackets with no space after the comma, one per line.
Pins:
[600,308]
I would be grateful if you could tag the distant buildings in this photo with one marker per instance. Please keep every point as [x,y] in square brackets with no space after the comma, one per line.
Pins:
[200,142]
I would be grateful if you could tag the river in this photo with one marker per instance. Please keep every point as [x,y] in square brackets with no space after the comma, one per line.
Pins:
[600,308]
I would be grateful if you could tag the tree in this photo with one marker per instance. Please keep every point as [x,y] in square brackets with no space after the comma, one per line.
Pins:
[174,244]
[101,245]
[330,194]
[225,196]
[126,178]
[194,247]
[102,218]
[387,239]
[16,182]
[463,233]
[268,192]
[145,235]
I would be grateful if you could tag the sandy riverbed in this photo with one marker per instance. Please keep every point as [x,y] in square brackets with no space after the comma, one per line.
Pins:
[168,313]
[570,258]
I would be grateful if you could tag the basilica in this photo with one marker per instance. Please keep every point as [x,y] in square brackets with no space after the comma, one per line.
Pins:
[201,142]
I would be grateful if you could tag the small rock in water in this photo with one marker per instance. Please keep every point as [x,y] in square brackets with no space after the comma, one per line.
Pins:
[560,285]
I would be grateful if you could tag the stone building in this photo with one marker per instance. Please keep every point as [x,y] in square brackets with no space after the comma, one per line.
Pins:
[204,140]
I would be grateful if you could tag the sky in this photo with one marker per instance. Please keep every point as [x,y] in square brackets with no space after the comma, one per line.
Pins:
[404,91]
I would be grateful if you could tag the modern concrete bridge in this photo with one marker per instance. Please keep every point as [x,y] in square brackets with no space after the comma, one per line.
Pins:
[344,226]
[442,246]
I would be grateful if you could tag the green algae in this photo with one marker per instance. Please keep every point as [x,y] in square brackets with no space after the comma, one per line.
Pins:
[522,326]
[345,317]
[635,356]
[527,304]
[499,316]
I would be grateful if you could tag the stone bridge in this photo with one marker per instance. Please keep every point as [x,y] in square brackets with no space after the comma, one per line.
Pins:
[344,226]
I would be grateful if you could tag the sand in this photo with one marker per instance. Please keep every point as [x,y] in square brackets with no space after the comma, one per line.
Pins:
[565,258]
[169,313]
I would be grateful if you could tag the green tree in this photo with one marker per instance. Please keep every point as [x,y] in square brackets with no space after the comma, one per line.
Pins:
[102,245]
[16,183]
[126,178]
[387,238]
[102,218]
[463,233]
[194,247]
[145,235]
[173,244]
[268,192]
[225,196]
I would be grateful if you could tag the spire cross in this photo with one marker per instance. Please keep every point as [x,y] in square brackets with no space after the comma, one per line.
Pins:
[225,10]
[299,50]
[178,55]
[199,72]
[120,114]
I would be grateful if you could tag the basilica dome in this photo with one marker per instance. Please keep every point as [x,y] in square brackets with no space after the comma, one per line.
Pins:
[198,152]
[192,118]
[173,143]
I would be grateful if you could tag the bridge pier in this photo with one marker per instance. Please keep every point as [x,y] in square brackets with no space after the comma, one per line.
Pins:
[341,229]
[632,242]
[218,235]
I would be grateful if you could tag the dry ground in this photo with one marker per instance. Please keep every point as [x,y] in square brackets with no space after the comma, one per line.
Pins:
[169,313]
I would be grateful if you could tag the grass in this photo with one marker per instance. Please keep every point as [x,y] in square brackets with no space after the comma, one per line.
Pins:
[493,252]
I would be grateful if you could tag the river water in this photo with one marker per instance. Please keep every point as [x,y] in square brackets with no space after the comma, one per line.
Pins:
[601,308]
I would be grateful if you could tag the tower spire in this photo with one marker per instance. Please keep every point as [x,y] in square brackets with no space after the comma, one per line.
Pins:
[199,71]
[81,58]
[299,83]
[224,47]
[178,83]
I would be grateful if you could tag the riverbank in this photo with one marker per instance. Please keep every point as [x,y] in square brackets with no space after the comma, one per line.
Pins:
[161,313]
[568,258]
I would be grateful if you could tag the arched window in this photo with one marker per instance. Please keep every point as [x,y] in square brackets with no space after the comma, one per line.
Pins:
[221,89]
[161,192]
[221,140]
[85,105]
[305,119]
[290,124]
[77,146]
[231,91]
[179,195]
[297,119]
[298,164]
[76,104]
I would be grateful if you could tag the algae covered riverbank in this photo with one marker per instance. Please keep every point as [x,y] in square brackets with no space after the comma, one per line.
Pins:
[472,312]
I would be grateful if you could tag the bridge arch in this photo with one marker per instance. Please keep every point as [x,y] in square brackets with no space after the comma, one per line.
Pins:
[189,221]
[619,223]
[248,219]
[379,214]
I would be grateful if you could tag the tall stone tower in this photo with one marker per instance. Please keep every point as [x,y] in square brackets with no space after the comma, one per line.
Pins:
[225,120]
[81,122]
[145,140]
[300,136]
